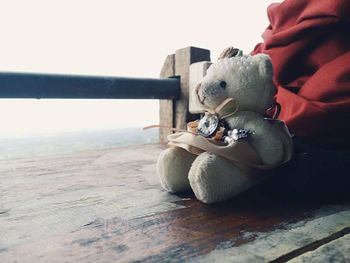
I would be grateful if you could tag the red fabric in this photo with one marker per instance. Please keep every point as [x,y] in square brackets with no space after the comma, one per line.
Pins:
[309,44]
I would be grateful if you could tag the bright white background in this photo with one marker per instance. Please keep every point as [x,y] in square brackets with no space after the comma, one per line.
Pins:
[118,38]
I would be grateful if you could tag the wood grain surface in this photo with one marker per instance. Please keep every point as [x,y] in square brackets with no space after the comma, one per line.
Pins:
[108,206]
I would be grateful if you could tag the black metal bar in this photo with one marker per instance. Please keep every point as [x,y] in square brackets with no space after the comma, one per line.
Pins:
[28,85]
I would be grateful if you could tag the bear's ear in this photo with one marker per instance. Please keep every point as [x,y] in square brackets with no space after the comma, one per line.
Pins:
[264,65]
[228,52]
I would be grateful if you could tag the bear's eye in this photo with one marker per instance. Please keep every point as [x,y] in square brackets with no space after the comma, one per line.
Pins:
[223,84]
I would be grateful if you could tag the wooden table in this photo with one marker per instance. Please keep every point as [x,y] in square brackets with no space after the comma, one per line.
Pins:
[108,206]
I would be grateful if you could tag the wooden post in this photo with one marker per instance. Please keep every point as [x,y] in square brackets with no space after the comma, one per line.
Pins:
[176,113]
[166,107]
[183,59]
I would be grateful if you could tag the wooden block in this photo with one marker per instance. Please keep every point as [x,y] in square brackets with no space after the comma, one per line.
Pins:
[197,72]
[183,59]
[166,107]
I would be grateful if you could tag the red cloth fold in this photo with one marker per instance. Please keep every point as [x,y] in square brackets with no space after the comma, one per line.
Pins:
[309,45]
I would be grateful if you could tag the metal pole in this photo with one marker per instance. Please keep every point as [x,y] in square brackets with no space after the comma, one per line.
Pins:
[45,86]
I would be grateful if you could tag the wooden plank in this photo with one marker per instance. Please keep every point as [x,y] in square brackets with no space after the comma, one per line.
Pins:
[108,206]
[337,251]
[272,246]
[166,107]
[30,85]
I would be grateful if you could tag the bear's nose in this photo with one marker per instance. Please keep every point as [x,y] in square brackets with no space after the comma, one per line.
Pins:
[209,89]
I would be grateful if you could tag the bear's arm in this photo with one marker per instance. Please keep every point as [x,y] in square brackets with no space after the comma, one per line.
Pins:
[265,138]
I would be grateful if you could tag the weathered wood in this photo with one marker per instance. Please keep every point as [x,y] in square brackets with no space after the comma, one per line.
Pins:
[183,59]
[166,107]
[273,245]
[108,206]
[175,113]
[30,85]
[337,251]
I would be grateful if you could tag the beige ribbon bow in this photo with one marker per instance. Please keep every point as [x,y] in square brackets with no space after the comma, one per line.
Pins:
[224,110]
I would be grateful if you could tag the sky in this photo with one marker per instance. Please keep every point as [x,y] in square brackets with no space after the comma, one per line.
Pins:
[110,38]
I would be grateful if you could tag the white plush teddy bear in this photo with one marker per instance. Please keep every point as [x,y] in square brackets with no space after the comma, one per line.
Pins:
[233,142]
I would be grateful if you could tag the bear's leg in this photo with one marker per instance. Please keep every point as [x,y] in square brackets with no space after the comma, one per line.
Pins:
[172,167]
[214,179]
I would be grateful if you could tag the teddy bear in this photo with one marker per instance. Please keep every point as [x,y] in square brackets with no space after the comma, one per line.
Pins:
[232,146]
